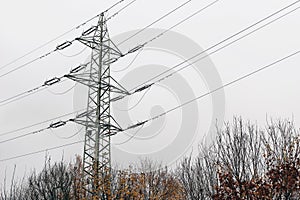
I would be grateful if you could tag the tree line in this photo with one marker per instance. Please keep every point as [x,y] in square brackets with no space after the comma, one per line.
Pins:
[244,162]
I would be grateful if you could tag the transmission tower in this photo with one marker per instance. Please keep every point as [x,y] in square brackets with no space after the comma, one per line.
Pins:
[97,119]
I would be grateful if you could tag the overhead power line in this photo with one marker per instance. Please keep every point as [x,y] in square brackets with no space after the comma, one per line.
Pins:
[229,83]
[97,119]
[19,97]
[156,21]
[119,11]
[59,36]
[209,54]
[59,124]
[232,36]
[213,46]
[46,84]
[24,135]
[63,123]
[226,40]
[139,47]
[223,41]
[40,123]
[182,21]
[59,47]
[146,84]
[41,151]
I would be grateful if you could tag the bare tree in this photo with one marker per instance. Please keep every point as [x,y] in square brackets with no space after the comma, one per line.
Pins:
[245,162]
[282,153]
[198,176]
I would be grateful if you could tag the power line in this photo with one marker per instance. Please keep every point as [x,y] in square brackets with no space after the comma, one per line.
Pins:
[229,38]
[226,85]
[215,51]
[19,97]
[50,127]
[140,87]
[251,27]
[114,5]
[60,36]
[182,21]
[62,123]
[24,135]
[119,11]
[58,48]
[206,50]
[27,63]
[46,84]
[159,19]
[41,151]
[223,41]
[26,93]
[40,123]
[21,94]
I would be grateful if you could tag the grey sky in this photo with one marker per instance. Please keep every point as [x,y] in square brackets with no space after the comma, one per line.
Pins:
[28,24]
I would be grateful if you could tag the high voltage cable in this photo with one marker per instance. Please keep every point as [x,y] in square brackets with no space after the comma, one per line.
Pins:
[209,54]
[146,86]
[114,5]
[171,110]
[159,19]
[24,135]
[119,11]
[26,93]
[215,90]
[251,27]
[40,123]
[198,54]
[197,98]
[229,38]
[215,51]
[31,91]
[42,88]
[228,84]
[56,38]
[19,97]
[266,18]
[63,45]
[63,123]
[69,43]
[182,21]
[50,127]
[41,151]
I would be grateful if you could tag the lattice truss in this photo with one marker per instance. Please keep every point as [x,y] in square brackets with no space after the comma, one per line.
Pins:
[97,119]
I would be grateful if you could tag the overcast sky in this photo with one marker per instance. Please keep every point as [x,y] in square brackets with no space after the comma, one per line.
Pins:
[26,25]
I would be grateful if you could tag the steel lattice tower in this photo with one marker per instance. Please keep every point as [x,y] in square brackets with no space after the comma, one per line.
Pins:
[98,122]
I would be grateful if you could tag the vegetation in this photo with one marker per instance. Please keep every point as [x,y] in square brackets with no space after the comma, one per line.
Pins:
[245,162]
